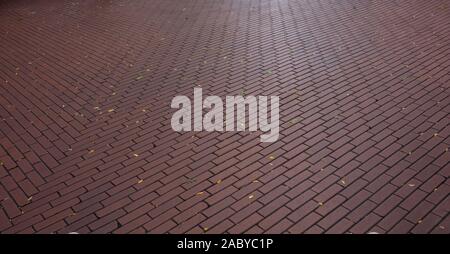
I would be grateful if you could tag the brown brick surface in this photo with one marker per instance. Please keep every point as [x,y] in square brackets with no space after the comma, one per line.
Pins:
[85,137]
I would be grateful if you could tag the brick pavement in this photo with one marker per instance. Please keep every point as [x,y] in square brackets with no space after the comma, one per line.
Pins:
[85,137]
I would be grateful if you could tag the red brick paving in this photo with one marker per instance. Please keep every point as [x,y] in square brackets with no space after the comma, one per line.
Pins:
[86,143]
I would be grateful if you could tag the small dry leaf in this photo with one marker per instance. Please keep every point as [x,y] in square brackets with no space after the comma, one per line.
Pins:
[199,193]
[110,110]
[139,77]
[205,229]
[441,227]
[135,154]
[91,151]
[255,181]
[219,181]
[320,204]
[435,134]
[30,198]
[251,196]
[419,221]
[144,110]
[343,182]
[446,149]
[1,163]
[271,157]
[411,185]
[140,181]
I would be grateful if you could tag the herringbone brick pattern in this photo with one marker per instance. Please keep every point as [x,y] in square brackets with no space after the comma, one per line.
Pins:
[85,137]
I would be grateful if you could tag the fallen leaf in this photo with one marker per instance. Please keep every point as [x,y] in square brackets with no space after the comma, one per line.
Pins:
[251,196]
[441,227]
[343,182]
[140,181]
[271,157]
[91,151]
[435,134]
[30,198]
[110,110]
[411,185]
[255,181]
[320,204]
[419,221]
[205,229]
[218,181]
[199,193]
[139,77]
[135,154]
